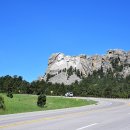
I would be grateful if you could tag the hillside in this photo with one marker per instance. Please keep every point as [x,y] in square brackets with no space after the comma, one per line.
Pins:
[68,69]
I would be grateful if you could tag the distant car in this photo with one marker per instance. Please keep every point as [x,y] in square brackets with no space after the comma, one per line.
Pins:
[69,94]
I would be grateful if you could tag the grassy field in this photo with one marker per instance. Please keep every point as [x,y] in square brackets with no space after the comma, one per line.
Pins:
[27,103]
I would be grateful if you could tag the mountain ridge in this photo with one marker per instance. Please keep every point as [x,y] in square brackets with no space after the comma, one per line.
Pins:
[68,69]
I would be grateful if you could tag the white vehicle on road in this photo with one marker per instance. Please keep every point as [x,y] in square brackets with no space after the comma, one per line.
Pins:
[69,94]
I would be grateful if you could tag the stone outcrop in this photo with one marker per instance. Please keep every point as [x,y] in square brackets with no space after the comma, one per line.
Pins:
[68,69]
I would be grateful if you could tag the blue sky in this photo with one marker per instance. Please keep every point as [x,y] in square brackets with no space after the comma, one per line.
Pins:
[31,30]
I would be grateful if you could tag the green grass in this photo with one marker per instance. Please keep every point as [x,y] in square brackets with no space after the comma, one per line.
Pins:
[27,103]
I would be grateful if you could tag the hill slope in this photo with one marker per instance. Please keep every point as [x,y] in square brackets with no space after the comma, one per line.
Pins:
[68,69]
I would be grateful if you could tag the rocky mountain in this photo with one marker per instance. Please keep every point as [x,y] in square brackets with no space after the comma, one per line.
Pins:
[68,69]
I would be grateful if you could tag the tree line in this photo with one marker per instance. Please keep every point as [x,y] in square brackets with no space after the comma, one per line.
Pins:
[99,84]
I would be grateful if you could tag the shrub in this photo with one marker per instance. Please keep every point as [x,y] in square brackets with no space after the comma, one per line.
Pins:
[10,95]
[2,104]
[41,100]
[10,92]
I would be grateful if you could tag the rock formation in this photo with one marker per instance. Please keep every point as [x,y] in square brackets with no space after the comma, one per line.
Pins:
[68,69]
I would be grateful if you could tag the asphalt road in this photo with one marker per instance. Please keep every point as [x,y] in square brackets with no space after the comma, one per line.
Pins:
[108,114]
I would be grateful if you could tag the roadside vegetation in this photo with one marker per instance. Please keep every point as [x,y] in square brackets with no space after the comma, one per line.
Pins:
[28,103]
[18,95]
[2,103]
[110,85]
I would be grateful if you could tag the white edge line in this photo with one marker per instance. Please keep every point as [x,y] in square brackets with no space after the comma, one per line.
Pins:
[86,126]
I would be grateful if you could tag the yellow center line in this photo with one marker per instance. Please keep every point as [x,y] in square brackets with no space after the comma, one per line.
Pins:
[55,117]
[30,121]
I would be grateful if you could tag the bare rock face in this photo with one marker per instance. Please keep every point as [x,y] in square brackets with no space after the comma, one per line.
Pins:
[128,58]
[120,54]
[63,78]
[68,69]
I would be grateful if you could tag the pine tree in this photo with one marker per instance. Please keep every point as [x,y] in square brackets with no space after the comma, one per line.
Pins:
[41,102]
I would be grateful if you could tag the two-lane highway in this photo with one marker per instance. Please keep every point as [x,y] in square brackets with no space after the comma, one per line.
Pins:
[108,114]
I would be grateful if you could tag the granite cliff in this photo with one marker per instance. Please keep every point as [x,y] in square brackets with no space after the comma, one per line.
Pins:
[68,69]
